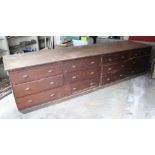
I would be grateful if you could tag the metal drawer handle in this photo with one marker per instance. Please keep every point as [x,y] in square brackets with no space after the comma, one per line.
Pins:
[25,76]
[74,77]
[50,71]
[122,66]
[121,75]
[122,57]
[27,88]
[92,73]
[52,95]
[91,84]
[74,66]
[51,82]
[109,69]
[29,101]
[92,62]
[108,79]
[74,88]
[109,59]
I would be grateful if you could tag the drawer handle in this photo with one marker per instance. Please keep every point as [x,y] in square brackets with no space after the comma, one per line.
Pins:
[50,71]
[92,73]
[52,95]
[29,101]
[109,69]
[92,62]
[74,89]
[108,79]
[25,76]
[74,66]
[109,59]
[51,82]
[74,77]
[132,71]
[120,75]
[91,84]
[27,88]
[133,62]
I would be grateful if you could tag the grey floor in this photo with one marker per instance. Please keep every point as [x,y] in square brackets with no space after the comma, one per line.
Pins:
[134,98]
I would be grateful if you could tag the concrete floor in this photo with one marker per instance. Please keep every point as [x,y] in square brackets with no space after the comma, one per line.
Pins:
[129,99]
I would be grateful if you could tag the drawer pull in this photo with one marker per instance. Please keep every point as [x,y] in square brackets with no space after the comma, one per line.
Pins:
[74,89]
[109,59]
[51,83]
[52,95]
[50,71]
[92,73]
[74,66]
[27,88]
[108,79]
[74,77]
[91,84]
[122,66]
[92,62]
[25,76]
[122,57]
[133,62]
[29,101]
[132,71]
[120,75]
[109,69]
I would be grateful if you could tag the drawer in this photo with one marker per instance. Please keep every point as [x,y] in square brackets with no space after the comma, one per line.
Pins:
[83,63]
[82,75]
[37,86]
[115,67]
[107,79]
[36,99]
[87,84]
[140,52]
[35,73]
[139,62]
[117,57]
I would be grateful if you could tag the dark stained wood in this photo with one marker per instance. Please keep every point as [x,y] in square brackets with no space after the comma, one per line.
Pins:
[85,84]
[38,86]
[39,98]
[81,64]
[75,70]
[117,57]
[35,73]
[82,75]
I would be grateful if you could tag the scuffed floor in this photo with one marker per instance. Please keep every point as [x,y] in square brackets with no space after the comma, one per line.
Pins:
[129,99]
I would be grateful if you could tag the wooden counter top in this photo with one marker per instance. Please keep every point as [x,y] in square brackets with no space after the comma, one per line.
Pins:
[17,61]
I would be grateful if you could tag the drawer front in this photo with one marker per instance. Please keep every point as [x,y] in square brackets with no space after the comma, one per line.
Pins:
[36,99]
[140,52]
[139,62]
[82,75]
[87,84]
[107,79]
[38,86]
[83,63]
[35,73]
[114,58]
[115,67]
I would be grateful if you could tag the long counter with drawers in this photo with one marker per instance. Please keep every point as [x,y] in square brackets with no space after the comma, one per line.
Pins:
[53,75]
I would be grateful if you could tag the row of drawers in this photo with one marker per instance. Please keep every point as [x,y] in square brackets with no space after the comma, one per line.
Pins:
[66,90]
[60,80]
[56,93]
[48,70]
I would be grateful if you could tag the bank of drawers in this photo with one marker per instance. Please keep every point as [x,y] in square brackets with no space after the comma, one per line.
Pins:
[35,73]
[37,85]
